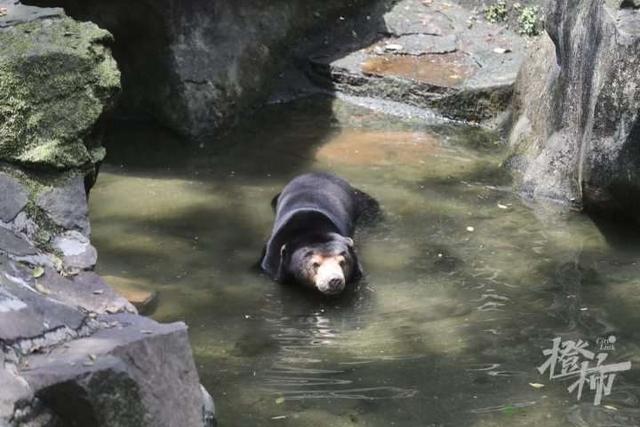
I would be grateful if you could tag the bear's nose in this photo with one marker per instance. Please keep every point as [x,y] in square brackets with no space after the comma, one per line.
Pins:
[335,284]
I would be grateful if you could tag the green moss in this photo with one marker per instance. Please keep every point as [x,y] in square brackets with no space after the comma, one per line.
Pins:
[529,21]
[46,228]
[496,12]
[57,78]
[37,181]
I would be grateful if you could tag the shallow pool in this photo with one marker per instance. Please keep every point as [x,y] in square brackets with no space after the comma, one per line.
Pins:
[465,285]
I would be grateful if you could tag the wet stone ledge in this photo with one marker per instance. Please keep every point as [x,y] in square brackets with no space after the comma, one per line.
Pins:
[74,351]
[427,54]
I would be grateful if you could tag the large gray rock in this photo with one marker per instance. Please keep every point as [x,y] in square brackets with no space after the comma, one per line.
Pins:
[196,64]
[12,244]
[58,78]
[85,290]
[77,252]
[13,197]
[431,55]
[65,359]
[66,205]
[575,136]
[136,373]
[28,319]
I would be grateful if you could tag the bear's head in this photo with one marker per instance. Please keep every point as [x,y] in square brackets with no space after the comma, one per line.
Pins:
[325,262]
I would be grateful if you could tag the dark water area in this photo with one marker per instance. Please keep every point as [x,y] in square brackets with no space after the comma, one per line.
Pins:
[465,285]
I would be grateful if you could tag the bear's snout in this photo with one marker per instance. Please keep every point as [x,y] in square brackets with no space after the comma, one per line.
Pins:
[330,278]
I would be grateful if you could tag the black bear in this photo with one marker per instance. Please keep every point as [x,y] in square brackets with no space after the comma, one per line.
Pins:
[311,242]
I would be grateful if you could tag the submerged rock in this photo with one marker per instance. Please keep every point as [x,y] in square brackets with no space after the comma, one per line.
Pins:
[576,125]
[144,300]
[57,79]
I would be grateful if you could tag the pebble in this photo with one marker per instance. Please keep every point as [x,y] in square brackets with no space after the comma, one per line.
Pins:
[393,47]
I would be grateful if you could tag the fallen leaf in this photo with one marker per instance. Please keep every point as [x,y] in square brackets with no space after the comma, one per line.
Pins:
[536,385]
[470,229]
[501,50]
[98,292]
[613,408]
[37,272]
[501,206]
[280,401]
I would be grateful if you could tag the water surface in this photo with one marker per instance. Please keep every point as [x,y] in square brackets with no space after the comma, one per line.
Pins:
[465,284]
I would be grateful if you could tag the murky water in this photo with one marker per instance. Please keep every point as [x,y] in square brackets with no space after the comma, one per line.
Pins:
[465,285]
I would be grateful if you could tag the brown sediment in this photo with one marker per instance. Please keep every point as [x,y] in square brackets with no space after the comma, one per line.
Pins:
[449,70]
[359,147]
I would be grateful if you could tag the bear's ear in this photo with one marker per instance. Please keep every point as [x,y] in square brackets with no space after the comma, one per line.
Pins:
[349,241]
[283,250]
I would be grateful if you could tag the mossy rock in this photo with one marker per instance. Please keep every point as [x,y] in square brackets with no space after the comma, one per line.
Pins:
[57,79]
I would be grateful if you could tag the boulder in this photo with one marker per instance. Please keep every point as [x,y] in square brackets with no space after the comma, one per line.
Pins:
[13,197]
[72,352]
[431,55]
[135,373]
[66,205]
[193,65]
[575,134]
[77,252]
[57,79]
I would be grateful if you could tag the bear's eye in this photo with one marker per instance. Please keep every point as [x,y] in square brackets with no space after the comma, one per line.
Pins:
[342,263]
[308,254]
[343,253]
[316,265]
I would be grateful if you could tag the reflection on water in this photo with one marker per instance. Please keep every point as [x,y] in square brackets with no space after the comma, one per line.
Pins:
[465,285]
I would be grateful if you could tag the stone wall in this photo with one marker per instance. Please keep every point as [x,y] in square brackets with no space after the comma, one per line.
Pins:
[195,65]
[72,351]
[575,136]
